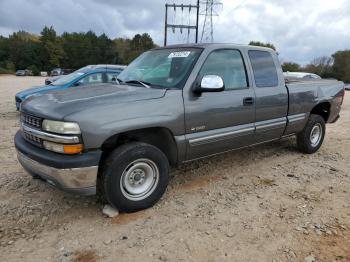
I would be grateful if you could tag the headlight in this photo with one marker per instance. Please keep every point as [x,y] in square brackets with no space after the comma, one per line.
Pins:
[64,149]
[61,127]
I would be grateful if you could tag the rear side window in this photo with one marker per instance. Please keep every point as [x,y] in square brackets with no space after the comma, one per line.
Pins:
[264,69]
[229,65]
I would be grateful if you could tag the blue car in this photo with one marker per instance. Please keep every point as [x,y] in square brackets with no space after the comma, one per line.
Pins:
[88,75]
[347,86]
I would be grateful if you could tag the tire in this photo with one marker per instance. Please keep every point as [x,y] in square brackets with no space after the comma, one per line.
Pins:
[311,138]
[135,176]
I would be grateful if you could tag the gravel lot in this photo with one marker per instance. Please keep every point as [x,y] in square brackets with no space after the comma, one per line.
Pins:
[267,203]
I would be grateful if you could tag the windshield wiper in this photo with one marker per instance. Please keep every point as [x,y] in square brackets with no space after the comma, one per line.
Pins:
[145,84]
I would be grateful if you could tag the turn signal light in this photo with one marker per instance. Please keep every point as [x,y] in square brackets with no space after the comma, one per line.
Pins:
[62,148]
[72,149]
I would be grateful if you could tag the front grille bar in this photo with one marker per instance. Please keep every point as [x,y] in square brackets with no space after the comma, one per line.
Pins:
[50,137]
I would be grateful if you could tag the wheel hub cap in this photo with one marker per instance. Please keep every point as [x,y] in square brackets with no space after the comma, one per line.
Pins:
[315,135]
[139,179]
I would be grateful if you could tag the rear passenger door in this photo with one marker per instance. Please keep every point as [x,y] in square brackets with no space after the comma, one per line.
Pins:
[271,96]
[220,121]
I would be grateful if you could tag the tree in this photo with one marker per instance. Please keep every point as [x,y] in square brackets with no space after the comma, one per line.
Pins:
[258,43]
[52,50]
[321,66]
[291,67]
[138,45]
[341,65]
[22,50]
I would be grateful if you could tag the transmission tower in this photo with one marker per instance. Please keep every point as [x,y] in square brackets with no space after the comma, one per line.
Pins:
[181,26]
[210,10]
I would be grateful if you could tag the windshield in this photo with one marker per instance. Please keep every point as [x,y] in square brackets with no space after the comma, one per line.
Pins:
[163,68]
[67,78]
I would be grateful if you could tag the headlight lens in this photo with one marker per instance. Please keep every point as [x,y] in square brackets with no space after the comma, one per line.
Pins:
[61,127]
[64,149]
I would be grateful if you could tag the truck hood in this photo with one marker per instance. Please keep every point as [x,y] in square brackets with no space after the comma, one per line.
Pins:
[59,104]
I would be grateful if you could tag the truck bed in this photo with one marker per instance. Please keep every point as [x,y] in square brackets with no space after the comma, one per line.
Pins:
[302,92]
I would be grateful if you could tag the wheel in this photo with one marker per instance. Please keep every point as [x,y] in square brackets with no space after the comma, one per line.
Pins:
[135,176]
[310,139]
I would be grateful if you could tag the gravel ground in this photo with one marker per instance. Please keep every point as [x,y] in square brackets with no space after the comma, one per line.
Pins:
[267,203]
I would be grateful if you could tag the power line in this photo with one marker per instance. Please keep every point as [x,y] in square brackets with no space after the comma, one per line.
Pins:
[209,11]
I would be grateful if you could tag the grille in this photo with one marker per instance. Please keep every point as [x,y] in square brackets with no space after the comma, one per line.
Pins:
[32,139]
[31,120]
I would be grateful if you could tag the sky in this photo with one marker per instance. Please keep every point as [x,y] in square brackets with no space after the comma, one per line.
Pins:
[301,30]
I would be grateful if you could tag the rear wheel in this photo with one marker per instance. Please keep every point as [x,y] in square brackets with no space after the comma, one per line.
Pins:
[311,138]
[135,176]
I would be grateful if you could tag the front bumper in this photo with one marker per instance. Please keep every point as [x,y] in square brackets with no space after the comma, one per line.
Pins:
[71,173]
[18,102]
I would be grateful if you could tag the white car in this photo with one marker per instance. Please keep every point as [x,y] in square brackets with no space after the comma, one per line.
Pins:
[300,75]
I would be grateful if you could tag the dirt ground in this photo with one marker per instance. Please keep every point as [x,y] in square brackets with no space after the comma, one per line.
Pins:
[267,203]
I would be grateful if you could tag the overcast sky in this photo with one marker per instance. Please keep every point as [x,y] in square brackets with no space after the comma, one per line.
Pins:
[301,30]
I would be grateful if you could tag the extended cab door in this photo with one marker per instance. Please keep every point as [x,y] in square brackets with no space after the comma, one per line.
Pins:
[220,121]
[271,95]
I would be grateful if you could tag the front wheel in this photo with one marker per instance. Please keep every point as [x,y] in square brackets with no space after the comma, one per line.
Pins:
[135,176]
[310,139]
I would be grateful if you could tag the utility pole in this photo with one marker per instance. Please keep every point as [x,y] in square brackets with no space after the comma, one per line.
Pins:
[175,26]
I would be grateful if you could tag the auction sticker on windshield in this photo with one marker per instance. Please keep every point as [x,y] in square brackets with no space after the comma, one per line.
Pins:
[179,54]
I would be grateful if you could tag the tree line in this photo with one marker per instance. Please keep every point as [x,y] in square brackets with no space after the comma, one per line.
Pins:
[335,66]
[23,50]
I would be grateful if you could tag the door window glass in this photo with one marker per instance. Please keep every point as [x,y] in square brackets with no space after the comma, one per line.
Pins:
[264,69]
[91,79]
[228,64]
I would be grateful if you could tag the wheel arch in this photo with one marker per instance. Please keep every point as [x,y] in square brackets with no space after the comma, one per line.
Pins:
[323,109]
[160,137]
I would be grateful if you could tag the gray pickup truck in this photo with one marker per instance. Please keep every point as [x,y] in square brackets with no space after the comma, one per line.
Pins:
[169,106]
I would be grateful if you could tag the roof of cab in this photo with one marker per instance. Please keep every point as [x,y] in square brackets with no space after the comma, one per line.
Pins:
[216,46]
[101,66]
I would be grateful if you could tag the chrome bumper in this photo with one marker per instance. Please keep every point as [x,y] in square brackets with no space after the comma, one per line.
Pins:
[76,180]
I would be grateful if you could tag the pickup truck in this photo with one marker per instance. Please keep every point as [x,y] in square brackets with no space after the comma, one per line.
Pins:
[169,106]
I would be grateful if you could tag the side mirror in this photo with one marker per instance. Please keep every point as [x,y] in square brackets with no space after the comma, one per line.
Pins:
[211,83]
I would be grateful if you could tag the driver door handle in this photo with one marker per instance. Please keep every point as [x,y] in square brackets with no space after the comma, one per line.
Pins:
[248,101]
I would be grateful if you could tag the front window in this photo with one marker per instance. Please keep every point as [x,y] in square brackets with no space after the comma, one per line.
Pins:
[162,68]
[67,78]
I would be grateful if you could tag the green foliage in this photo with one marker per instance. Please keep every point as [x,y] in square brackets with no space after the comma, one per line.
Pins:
[5,71]
[34,70]
[321,66]
[128,49]
[291,67]
[51,52]
[258,43]
[341,65]
[22,50]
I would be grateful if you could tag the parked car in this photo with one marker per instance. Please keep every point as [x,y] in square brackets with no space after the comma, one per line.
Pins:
[92,74]
[300,75]
[347,86]
[56,72]
[25,72]
[204,99]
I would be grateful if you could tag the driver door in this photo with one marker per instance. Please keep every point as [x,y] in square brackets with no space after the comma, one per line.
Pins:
[220,121]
